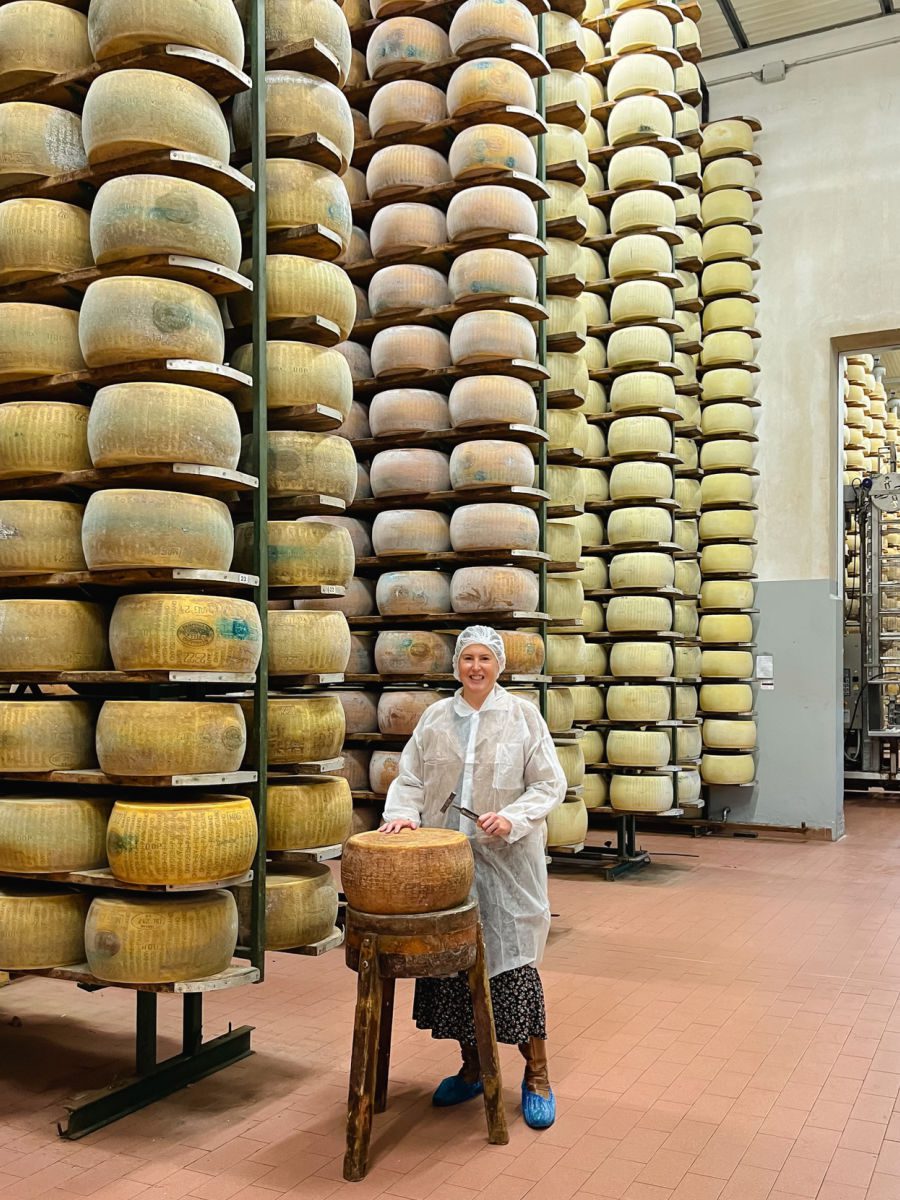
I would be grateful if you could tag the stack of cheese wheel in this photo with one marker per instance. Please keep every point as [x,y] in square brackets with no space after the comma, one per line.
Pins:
[640,356]
[727,451]
[439,344]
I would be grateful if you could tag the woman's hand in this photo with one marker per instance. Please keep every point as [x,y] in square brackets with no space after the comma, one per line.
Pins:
[495,825]
[396,826]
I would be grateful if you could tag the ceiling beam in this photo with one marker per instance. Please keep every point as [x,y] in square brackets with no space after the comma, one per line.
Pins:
[733,21]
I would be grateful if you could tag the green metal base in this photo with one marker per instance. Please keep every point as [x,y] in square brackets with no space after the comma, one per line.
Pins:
[610,861]
[155,1080]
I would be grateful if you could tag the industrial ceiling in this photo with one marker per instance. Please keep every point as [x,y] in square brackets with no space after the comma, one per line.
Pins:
[730,25]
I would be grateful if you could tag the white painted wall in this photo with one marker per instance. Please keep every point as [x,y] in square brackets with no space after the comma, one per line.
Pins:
[829,254]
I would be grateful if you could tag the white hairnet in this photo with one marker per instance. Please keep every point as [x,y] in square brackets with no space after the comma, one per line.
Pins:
[479,635]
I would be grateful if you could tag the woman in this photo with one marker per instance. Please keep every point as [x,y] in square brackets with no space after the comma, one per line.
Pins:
[496,753]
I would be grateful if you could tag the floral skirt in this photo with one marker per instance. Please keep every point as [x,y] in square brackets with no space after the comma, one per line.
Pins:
[445,1007]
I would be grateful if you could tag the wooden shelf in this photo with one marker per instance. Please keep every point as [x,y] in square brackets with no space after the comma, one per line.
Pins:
[379,621]
[310,56]
[443,378]
[528,435]
[413,680]
[301,504]
[439,134]
[314,329]
[312,679]
[440,12]
[135,578]
[333,941]
[306,147]
[439,195]
[103,878]
[78,385]
[182,477]
[231,977]
[316,854]
[438,256]
[91,778]
[322,766]
[450,559]
[444,316]
[67,289]
[529,496]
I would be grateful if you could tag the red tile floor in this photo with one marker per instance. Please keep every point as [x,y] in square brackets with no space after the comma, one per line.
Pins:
[724,1027]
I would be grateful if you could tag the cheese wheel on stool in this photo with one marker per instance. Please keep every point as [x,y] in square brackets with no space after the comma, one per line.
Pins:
[416,871]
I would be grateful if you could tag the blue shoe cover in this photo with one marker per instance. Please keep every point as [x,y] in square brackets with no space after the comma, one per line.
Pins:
[455,1090]
[539,1112]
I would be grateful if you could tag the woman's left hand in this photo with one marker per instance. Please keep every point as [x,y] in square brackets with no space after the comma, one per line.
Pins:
[495,825]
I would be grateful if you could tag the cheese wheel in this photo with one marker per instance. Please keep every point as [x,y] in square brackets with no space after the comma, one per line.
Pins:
[38,536]
[726,698]
[570,372]
[39,40]
[301,462]
[726,559]
[300,553]
[571,760]
[640,300]
[404,348]
[478,24]
[565,654]
[726,628]
[40,928]
[687,619]
[728,173]
[727,593]
[38,340]
[726,664]
[727,278]
[687,578]
[405,168]
[137,215]
[639,118]
[52,635]
[137,737]
[727,418]
[638,702]
[406,227]
[639,74]
[564,543]
[565,145]
[639,435]
[638,256]
[567,429]
[487,148]
[414,472]
[401,44]
[484,83]
[687,535]
[729,206]
[566,317]
[480,464]
[413,652]
[726,488]
[631,614]
[407,410]
[298,287]
[588,703]
[353,180]
[688,495]
[565,598]
[405,104]
[301,729]
[42,437]
[641,570]
[399,712]
[360,710]
[179,632]
[638,346]
[727,454]
[53,833]
[359,600]
[641,660]
[567,824]
[637,748]
[489,335]
[641,29]
[303,642]
[567,486]
[493,589]
[130,528]
[41,237]
[641,391]
[724,138]
[524,651]
[131,318]
[640,481]
[644,209]
[492,272]
[726,348]
[117,26]
[301,374]
[595,790]
[417,871]
[40,736]
[727,242]
[641,793]
[492,526]
[297,104]
[729,314]
[362,658]
[314,813]
[595,402]
[132,111]
[401,593]
[724,769]
[132,423]
[487,209]
[38,141]
[301,193]
[155,939]
[727,523]
[410,531]
[633,526]
[688,665]
[301,904]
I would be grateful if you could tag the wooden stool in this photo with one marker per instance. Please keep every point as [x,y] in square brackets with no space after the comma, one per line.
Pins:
[382,950]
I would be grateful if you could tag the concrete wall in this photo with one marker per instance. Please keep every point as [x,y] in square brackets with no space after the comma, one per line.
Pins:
[829,254]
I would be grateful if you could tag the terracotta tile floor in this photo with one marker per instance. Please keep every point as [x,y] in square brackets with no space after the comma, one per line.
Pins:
[724,1027]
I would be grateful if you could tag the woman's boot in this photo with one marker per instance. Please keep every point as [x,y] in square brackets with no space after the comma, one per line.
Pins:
[538,1101]
[456,1089]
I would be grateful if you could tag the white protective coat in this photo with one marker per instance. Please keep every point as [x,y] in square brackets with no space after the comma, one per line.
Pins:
[500,758]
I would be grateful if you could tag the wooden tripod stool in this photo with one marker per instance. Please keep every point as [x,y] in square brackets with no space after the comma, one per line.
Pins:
[382,950]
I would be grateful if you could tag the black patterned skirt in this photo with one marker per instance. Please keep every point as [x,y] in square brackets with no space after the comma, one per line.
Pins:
[445,1007]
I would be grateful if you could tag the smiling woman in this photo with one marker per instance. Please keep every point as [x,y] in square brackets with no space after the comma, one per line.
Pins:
[493,754]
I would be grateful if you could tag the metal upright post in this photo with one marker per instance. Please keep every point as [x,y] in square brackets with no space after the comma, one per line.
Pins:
[259,734]
[542,359]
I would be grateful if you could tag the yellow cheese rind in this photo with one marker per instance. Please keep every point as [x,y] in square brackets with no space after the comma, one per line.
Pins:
[53,833]
[170,737]
[298,104]
[116,26]
[413,472]
[156,939]
[399,712]
[480,84]
[480,23]
[39,536]
[308,642]
[411,531]
[301,906]
[52,635]
[301,462]
[137,215]
[416,871]
[197,841]
[493,589]
[301,193]
[638,702]
[405,104]
[39,40]
[567,824]
[300,553]
[40,928]
[637,748]
[133,527]
[292,21]
[413,652]
[724,769]
[403,593]
[42,237]
[641,793]
[130,111]
[38,141]
[133,423]
[38,340]
[42,437]
[300,374]
[314,813]
[37,736]
[169,631]
[298,287]
[641,660]
[487,147]
[400,44]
